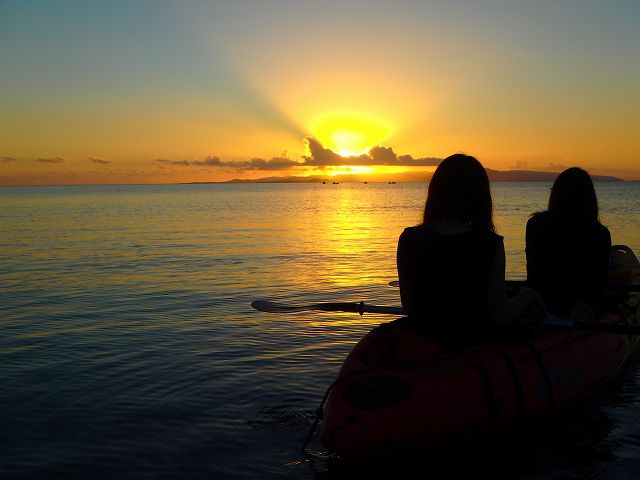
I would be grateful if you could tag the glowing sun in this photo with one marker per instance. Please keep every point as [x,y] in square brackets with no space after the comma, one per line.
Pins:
[350,134]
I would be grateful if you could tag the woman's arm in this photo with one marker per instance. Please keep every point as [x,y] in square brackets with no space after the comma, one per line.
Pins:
[403,264]
[535,262]
[602,261]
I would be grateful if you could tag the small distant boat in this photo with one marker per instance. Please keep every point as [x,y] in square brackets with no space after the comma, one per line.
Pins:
[366,183]
[336,183]
[323,182]
[392,183]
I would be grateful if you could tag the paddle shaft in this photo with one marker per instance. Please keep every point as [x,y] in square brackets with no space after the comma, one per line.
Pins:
[361,308]
[552,321]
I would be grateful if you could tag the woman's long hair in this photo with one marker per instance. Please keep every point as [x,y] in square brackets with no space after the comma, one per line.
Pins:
[573,196]
[459,189]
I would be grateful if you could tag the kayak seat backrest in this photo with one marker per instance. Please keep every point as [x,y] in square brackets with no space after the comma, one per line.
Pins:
[623,265]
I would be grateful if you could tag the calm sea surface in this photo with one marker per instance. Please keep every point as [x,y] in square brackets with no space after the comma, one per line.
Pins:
[128,348]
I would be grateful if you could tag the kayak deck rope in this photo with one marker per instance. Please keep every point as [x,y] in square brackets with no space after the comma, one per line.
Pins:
[493,402]
[517,384]
[319,412]
[545,375]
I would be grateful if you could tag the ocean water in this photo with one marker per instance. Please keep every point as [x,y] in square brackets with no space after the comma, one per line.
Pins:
[128,347]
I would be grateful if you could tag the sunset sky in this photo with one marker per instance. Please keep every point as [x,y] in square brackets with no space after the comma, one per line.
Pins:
[163,92]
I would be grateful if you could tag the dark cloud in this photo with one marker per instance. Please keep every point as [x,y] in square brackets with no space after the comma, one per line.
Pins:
[184,163]
[276,163]
[320,156]
[409,161]
[209,161]
[383,155]
[52,160]
[101,161]
[7,159]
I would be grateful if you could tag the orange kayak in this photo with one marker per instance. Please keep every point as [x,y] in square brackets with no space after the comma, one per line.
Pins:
[396,389]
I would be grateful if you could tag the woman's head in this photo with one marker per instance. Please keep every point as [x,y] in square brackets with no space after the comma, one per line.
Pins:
[459,190]
[573,196]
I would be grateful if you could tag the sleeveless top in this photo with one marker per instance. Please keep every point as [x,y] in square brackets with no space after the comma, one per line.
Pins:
[567,261]
[445,279]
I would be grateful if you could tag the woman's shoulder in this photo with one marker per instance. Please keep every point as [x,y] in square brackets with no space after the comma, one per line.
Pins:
[413,231]
[410,234]
[495,237]
[603,232]
[539,218]
[492,240]
[541,222]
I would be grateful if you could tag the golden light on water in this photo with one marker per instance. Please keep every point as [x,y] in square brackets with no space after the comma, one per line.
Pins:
[350,134]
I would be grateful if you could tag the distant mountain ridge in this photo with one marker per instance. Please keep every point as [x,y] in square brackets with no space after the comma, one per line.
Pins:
[534,176]
[404,177]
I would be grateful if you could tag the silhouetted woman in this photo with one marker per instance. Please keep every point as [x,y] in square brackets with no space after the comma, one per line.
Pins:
[452,266]
[567,246]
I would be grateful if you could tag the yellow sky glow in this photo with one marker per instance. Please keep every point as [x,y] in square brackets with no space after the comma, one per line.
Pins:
[351,170]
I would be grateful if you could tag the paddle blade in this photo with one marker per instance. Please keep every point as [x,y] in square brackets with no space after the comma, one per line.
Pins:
[273,307]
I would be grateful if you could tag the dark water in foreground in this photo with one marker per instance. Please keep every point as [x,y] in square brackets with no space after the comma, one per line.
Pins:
[128,348]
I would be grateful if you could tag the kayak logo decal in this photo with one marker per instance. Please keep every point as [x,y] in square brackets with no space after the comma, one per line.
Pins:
[560,378]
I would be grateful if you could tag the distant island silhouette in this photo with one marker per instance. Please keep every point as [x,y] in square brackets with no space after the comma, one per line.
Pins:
[413,177]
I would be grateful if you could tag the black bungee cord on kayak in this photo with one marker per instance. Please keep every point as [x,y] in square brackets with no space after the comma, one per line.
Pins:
[319,415]
[319,412]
